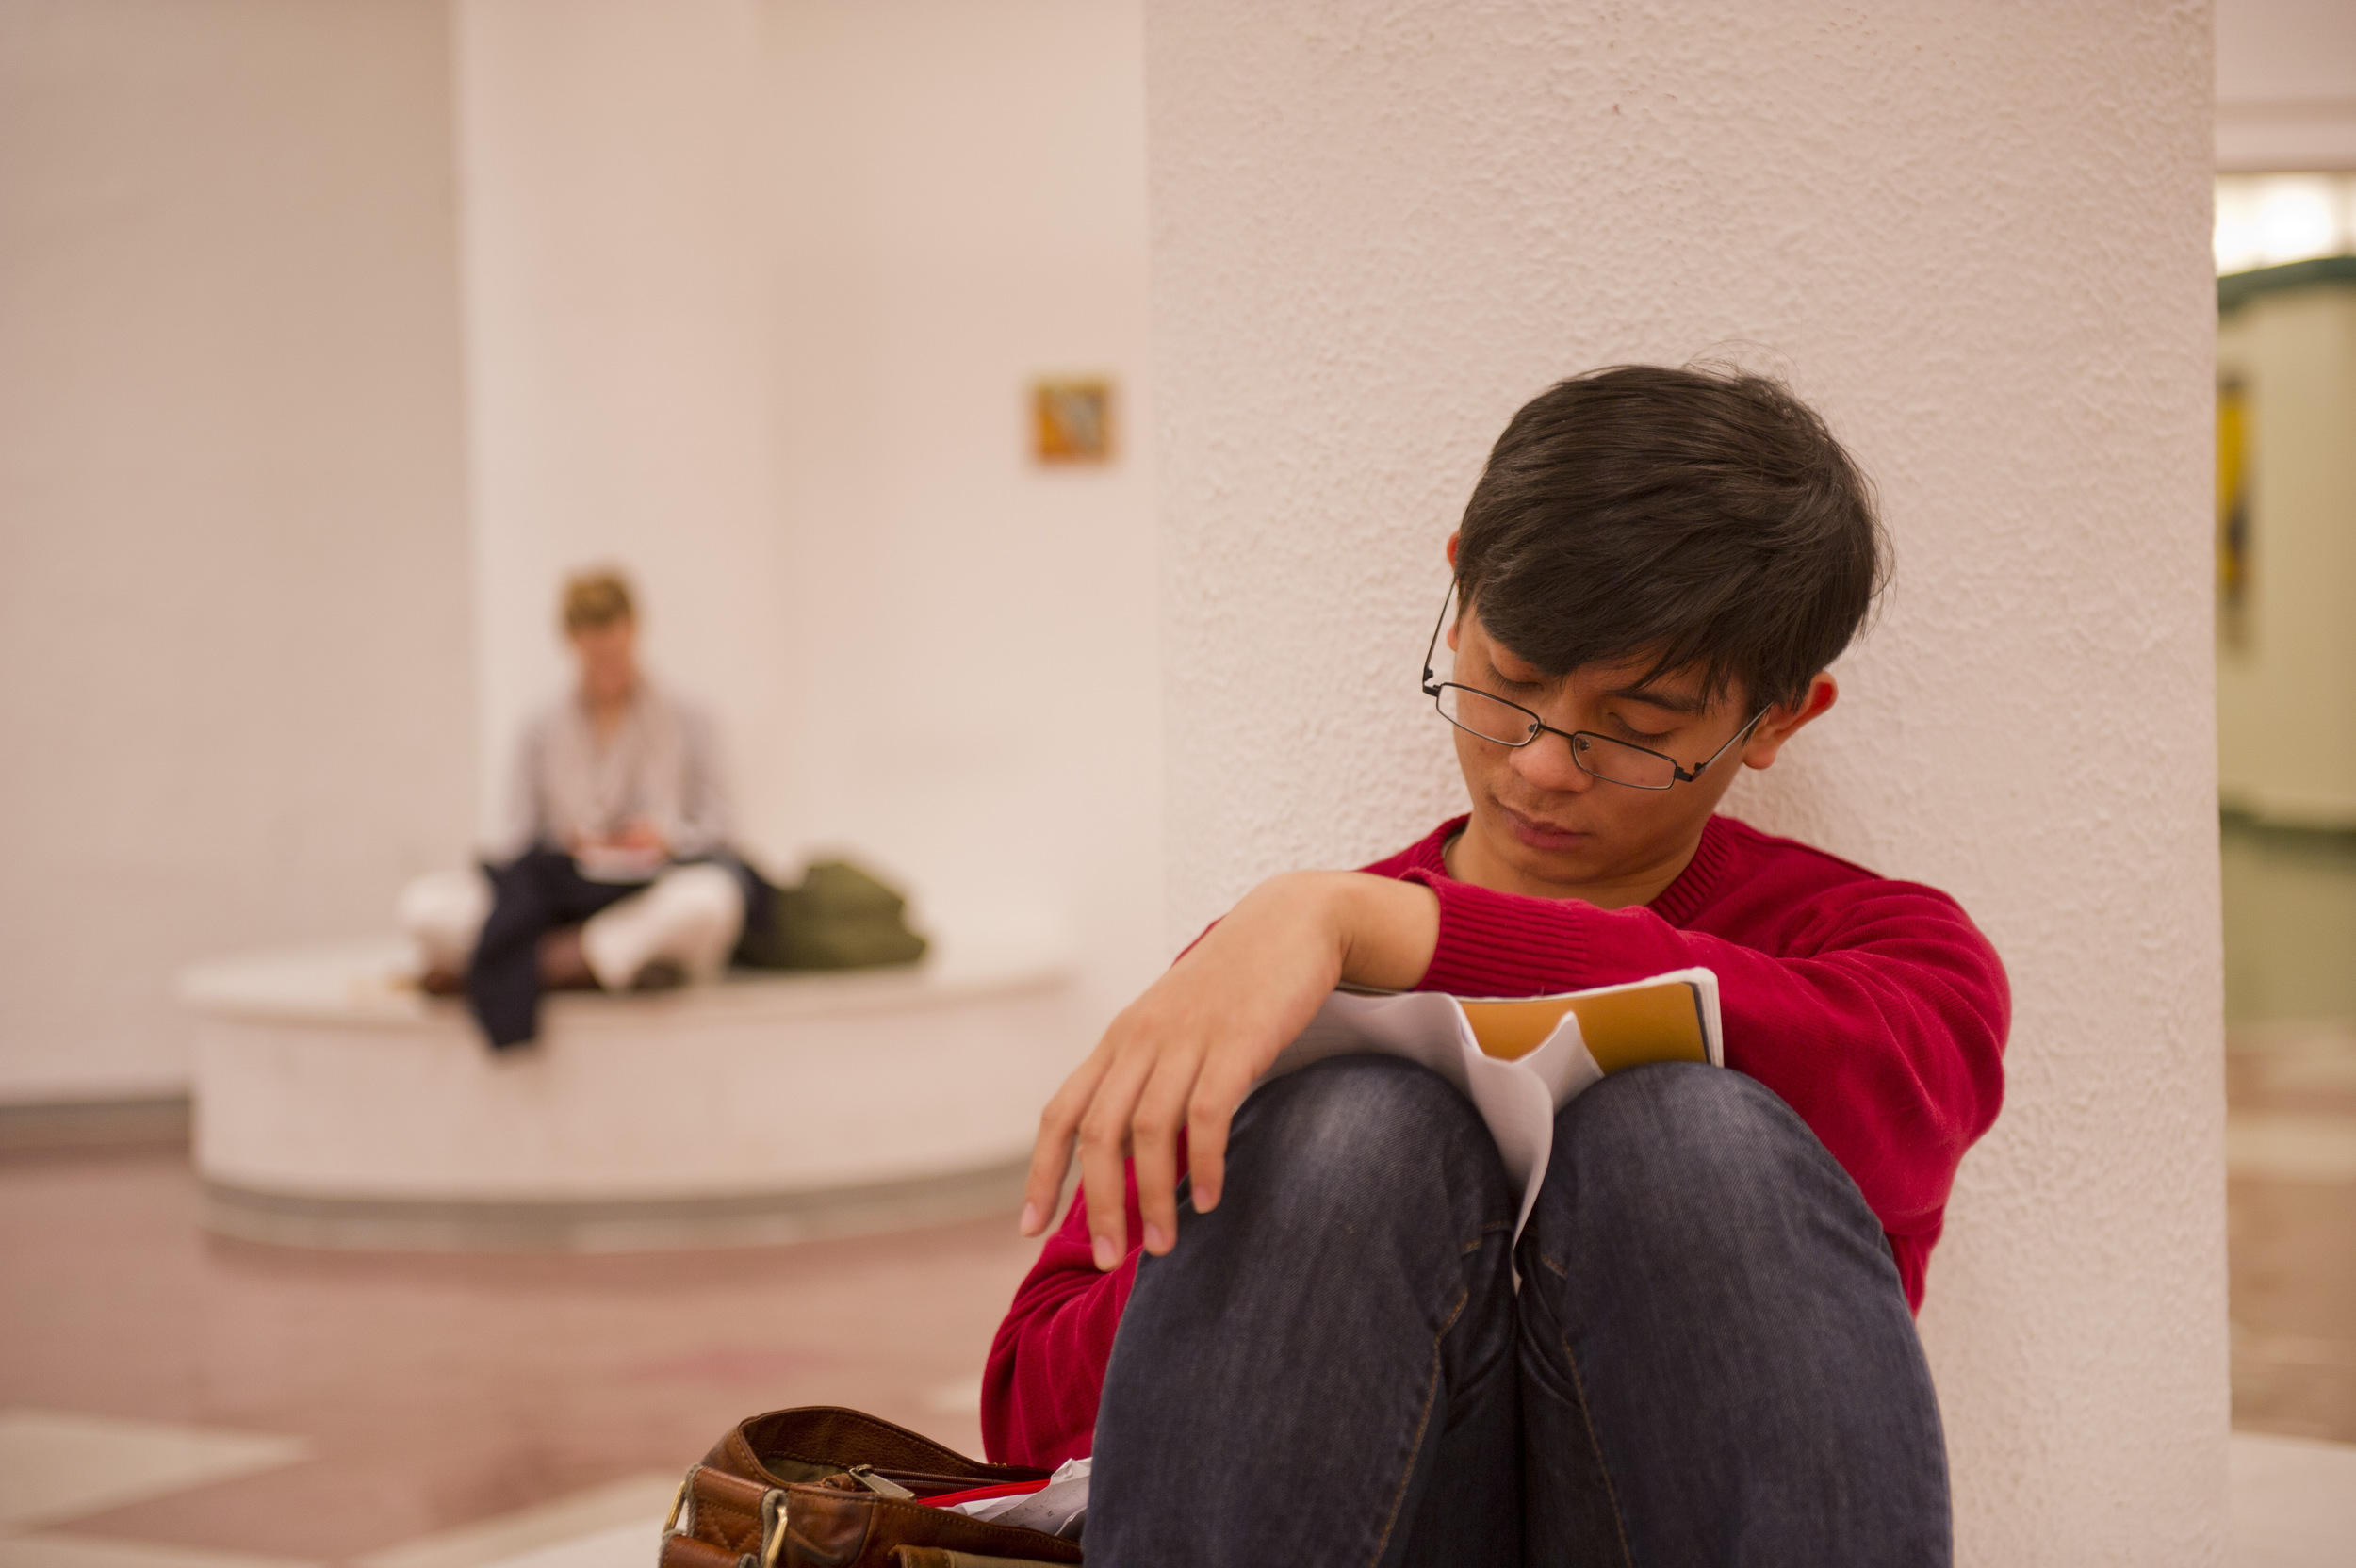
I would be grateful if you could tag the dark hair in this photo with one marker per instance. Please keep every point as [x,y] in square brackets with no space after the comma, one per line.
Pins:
[1698,517]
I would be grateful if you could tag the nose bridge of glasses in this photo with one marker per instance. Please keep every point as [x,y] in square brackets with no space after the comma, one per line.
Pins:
[1566,770]
[1575,738]
[1587,752]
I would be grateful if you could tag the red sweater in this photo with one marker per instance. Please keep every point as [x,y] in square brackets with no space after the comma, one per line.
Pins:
[1874,1009]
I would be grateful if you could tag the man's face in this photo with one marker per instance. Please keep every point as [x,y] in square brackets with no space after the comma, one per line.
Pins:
[1540,825]
[608,655]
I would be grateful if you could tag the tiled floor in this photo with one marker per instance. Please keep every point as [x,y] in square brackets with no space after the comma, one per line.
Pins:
[173,1401]
[633,1504]
[2293,1503]
[57,1466]
[380,1410]
[2290,958]
[2291,1228]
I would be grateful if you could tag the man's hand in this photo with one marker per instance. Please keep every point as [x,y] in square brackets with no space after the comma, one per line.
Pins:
[1184,1053]
[638,839]
[639,836]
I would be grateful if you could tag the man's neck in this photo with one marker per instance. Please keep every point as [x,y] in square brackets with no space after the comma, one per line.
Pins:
[607,713]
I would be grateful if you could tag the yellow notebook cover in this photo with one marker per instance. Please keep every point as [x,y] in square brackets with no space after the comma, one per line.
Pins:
[1654,1021]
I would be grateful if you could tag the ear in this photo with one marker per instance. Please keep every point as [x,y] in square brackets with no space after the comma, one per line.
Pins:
[1783,722]
[1460,609]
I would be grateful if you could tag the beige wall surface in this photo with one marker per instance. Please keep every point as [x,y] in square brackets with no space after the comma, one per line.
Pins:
[335,335]
[2285,85]
[620,354]
[1378,231]
[960,195]
[2286,690]
[233,667]
[754,289]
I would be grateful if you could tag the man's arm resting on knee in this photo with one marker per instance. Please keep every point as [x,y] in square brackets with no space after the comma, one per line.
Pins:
[1183,1055]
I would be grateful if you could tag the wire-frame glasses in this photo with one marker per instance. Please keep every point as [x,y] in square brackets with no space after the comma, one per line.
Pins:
[1509,724]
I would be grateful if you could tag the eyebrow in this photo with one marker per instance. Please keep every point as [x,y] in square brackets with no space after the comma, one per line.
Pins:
[1655,697]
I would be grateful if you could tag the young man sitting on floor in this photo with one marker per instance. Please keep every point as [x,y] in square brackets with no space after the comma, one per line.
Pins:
[1291,1332]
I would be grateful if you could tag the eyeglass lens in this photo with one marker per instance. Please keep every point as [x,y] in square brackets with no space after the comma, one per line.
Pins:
[1599,755]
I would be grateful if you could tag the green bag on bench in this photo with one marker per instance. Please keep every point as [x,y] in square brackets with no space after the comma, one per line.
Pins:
[839,917]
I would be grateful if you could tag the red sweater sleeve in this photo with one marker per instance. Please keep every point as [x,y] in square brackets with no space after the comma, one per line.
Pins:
[1876,1010]
[1046,1365]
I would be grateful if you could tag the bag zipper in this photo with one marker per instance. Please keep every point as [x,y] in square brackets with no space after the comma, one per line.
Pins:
[865,1475]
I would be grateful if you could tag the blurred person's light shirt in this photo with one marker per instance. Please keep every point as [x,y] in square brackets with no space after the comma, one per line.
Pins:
[662,765]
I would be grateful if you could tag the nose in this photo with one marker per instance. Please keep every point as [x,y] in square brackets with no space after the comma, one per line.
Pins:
[1546,764]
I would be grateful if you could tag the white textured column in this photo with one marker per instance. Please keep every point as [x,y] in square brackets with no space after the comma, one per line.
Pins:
[1976,239]
[618,262]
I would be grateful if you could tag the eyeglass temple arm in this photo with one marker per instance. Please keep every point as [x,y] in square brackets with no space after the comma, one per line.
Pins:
[1431,686]
[1683,776]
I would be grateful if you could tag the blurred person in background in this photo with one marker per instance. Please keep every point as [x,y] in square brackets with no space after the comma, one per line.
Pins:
[613,870]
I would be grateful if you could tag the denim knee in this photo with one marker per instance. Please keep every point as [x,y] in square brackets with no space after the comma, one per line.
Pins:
[1692,1156]
[1362,1139]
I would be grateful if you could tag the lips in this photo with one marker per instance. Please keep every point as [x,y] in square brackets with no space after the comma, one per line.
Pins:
[1537,834]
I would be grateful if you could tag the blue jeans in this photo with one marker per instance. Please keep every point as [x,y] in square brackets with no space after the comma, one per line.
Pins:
[531,896]
[539,891]
[1710,1359]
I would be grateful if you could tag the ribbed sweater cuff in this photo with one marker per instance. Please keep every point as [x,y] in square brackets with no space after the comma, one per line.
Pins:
[1497,944]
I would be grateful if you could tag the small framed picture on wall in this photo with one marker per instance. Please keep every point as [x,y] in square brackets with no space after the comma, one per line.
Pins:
[1071,419]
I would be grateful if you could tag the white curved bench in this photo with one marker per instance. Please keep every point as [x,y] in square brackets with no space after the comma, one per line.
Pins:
[335,1106]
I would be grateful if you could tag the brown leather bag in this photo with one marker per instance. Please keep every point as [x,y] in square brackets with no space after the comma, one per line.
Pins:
[816,1487]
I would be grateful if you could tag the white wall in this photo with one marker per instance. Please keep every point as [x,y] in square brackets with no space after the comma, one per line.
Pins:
[745,294]
[1376,233]
[2286,693]
[620,358]
[961,200]
[755,291]
[234,647]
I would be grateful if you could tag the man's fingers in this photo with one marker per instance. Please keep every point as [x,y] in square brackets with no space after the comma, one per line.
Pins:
[1103,1144]
[1219,1088]
[1051,1152]
[1153,1145]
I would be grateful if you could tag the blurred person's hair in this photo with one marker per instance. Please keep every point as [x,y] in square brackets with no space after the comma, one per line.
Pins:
[1700,518]
[596,598]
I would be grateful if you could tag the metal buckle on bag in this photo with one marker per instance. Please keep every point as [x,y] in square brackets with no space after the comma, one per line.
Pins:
[681,1519]
[772,1525]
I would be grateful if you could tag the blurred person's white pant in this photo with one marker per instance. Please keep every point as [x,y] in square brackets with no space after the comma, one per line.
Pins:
[689,915]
